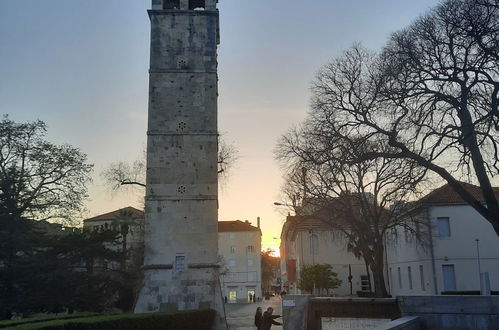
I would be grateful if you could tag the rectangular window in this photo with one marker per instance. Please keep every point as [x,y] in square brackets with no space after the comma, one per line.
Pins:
[364,283]
[421,274]
[406,234]
[443,227]
[250,249]
[231,277]
[449,277]
[251,276]
[409,276]
[391,278]
[400,277]
[250,262]
[179,263]
[232,249]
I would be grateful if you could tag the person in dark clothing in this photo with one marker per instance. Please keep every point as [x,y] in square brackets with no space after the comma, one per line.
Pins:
[258,318]
[268,319]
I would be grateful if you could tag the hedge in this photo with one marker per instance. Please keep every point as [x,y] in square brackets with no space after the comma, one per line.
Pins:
[467,293]
[187,320]
[12,323]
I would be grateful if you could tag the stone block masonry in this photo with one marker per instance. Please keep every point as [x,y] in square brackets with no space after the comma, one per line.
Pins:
[181,213]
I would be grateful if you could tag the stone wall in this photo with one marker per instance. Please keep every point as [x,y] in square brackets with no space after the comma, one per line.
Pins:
[453,312]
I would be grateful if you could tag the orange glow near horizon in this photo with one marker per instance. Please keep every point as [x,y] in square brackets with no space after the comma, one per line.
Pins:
[270,242]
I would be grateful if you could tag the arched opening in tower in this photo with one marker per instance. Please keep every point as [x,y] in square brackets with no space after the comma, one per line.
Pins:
[171,4]
[197,4]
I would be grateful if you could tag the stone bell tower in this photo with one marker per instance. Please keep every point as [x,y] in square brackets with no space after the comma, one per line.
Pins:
[181,215]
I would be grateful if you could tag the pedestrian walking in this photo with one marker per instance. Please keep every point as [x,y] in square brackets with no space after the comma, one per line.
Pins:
[268,319]
[258,318]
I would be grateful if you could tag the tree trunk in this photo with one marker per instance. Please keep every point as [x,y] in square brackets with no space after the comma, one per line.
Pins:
[368,275]
[378,274]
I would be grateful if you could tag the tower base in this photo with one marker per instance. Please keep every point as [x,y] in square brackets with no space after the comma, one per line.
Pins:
[165,290]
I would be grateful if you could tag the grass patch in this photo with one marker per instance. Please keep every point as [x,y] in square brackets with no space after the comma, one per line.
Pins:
[12,323]
[185,320]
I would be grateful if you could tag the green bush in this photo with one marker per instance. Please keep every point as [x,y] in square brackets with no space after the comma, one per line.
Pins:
[13,323]
[187,320]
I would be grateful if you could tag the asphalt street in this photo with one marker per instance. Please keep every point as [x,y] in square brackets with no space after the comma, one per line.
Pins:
[242,316]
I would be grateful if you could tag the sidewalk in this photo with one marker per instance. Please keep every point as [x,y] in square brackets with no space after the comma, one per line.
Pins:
[242,316]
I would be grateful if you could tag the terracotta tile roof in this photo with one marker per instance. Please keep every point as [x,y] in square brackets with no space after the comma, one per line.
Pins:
[446,194]
[115,214]
[235,226]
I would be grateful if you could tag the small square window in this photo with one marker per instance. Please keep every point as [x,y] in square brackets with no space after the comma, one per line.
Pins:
[252,276]
[443,227]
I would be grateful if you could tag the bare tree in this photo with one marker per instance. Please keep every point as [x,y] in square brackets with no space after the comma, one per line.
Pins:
[361,201]
[431,96]
[122,173]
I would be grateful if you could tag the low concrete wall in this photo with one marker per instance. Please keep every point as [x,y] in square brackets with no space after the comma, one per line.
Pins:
[294,311]
[403,323]
[341,307]
[453,312]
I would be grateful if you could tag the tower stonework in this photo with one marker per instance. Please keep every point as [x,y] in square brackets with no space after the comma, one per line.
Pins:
[181,211]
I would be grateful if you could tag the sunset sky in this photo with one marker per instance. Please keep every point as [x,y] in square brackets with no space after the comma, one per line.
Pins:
[82,67]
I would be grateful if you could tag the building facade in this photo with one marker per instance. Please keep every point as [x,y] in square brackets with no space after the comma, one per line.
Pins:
[446,252]
[128,221]
[306,241]
[458,245]
[239,247]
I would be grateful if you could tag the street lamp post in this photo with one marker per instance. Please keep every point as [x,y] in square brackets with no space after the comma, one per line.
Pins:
[478,259]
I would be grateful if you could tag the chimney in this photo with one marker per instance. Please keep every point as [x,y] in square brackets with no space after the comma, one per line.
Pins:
[258,222]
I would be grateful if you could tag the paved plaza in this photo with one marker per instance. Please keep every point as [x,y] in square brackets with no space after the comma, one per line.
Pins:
[241,316]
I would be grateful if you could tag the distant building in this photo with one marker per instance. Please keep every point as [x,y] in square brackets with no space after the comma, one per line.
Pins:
[307,241]
[239,245]
[128,221]
[448,260]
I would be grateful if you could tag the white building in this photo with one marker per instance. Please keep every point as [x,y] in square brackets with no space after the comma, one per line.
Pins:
[446,259]
[239,245]
[449,260]
[307,241]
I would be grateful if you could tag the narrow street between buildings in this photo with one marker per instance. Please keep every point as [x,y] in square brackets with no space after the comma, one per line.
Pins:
[241,316]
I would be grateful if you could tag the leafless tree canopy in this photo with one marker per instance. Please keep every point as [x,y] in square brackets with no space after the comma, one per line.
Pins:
[39,180]
[361,200]
[126,174]
[430,96]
